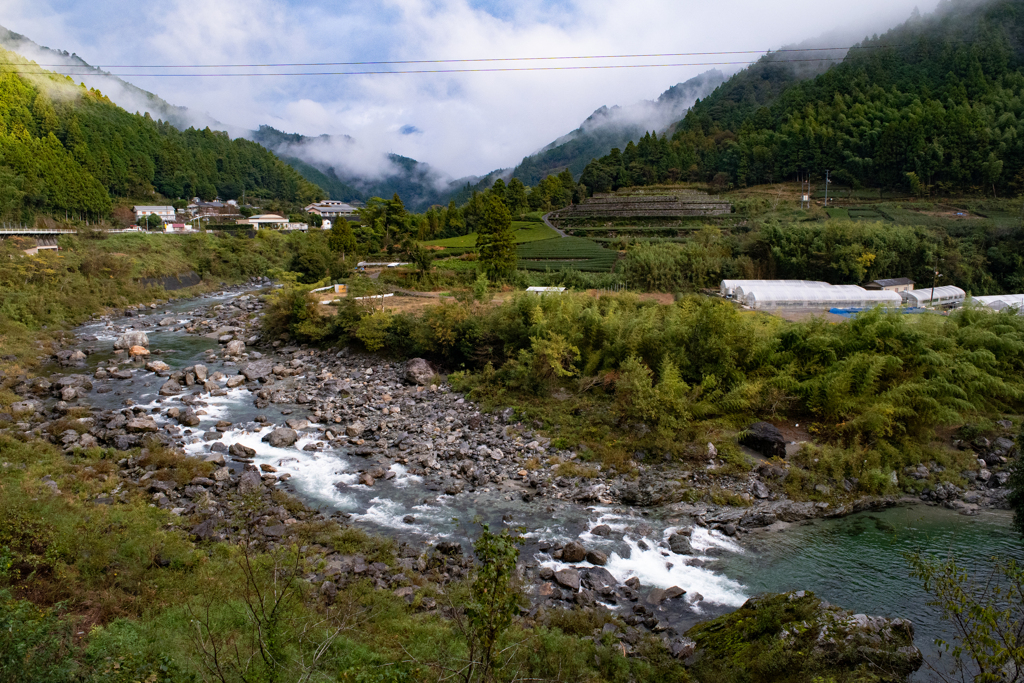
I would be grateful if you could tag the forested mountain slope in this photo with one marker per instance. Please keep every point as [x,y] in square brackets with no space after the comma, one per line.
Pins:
[933,104]
[611,127]
[65,148]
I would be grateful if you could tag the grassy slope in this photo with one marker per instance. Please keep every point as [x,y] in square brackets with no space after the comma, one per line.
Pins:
[523,231]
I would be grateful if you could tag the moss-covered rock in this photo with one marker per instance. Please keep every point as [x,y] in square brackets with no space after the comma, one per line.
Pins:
[798,637]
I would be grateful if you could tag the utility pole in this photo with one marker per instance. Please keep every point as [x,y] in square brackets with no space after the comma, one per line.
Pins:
[826,188]
[935,279]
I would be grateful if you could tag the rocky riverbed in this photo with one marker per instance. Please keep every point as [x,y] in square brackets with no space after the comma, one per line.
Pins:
[368,440]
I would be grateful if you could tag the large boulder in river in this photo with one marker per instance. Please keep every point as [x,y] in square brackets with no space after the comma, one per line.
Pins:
[282,437]
[235,347]
[130,339]
[573,552]
[418,371]
[257,370]
[766,439]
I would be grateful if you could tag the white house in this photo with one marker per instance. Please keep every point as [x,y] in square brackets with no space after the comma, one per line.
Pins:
[267,220]
[166,213]
[333,209]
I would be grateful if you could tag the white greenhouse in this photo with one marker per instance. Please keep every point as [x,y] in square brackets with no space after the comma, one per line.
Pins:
[999,302]
[728,287]
[945,296]
[761,297]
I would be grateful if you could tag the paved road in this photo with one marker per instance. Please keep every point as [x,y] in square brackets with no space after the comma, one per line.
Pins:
[548,223]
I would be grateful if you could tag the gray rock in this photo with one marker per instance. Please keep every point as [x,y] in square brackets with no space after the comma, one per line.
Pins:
[240,451]
[674,592]
[257,370]
[141,425]
[598,578]
[597,557]
[157,366]
[205,530]
[602,530]
[170,388]
[222,473]
[760,490]
[418,371]
[250,482]
[680,544]
[282,437]
[130,339]
[573,552]
[568,578]
[235,348]
[201,372]
[26,407]
[355,429]
[766,439]
[188,418]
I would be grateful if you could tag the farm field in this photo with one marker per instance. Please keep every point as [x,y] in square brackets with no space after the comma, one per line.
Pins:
[568,252]
[524,231]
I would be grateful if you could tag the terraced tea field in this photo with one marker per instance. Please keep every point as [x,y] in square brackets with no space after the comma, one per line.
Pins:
[523,231]
[577,253]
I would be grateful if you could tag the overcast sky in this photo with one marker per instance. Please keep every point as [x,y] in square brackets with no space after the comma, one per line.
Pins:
[467,123]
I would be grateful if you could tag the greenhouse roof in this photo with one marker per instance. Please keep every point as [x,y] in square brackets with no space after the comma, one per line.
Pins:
[846,296]
[942,295]
[728,287]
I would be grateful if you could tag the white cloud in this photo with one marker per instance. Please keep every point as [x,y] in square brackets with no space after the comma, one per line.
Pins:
[471,122]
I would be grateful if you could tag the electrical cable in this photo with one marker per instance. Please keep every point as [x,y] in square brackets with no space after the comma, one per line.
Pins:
[454,61]
[408,71]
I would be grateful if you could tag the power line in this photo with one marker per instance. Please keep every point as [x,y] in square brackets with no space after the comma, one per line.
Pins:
[412,71]
[452,61]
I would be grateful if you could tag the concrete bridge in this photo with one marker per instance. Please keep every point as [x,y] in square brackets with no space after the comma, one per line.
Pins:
[45,239]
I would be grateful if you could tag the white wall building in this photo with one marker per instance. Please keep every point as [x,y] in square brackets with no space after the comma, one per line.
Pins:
[166,213]
[333,209]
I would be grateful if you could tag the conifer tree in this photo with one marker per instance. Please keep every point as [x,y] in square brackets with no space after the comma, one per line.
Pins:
[495,241]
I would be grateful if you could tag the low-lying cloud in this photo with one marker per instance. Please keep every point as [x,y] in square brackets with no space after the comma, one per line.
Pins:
[463,123]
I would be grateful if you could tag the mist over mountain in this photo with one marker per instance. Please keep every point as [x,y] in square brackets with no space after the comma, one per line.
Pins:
[125,95]
[615,126]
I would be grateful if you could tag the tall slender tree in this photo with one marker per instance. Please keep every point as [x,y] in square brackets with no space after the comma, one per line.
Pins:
[495,242]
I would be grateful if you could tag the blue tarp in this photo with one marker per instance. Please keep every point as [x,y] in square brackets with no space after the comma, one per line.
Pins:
[852,312]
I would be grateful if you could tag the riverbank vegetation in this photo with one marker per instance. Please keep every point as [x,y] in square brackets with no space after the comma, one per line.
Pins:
[97,592]
[621,377]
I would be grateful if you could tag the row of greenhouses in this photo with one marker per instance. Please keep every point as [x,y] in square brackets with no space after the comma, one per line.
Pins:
[797,294]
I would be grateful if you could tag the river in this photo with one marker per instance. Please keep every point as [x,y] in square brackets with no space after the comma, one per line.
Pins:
[856,562]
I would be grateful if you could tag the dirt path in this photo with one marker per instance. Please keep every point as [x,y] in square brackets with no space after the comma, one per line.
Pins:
[548,223]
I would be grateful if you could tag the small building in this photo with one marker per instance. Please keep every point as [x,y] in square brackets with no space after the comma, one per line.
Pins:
[541,291]
[896,284]
[266,220]
[166,213]
[333,209]
[177,228]
[946,296]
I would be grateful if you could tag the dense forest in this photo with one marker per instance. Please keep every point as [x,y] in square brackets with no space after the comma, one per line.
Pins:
[66,149]
[933,105]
